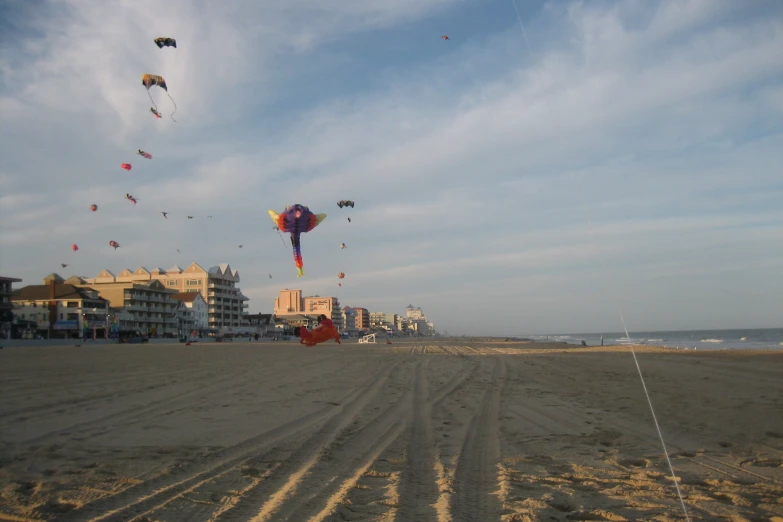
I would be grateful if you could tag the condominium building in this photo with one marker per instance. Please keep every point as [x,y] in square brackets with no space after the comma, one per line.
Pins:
[60,307]
[6,307]
[362,321]
[291,303]
[218,287]
[383,320]
[148,301]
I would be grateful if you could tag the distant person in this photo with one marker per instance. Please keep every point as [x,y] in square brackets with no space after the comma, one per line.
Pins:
[255,337]
[584,343]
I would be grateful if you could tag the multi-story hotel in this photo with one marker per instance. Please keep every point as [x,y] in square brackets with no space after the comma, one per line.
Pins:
[295,309]
[226,305]
[383,320]
[5,305]
[149,303]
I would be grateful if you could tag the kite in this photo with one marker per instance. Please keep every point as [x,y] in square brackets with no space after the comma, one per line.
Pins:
[322,333]
[114,244]
[190,217]
[445,37]
[240,246]
[156,113]
[270,276]
[163,41]
[148,80]
[63,265]
[341,275]
[165,214]
[74,247]
[145,154]
[126,166]
[345,203]
[93,207]
[342,246]
[349,220]
[131,198]
[296,220]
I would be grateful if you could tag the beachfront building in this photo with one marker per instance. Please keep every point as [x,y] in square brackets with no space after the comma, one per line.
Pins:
[197,309]
[218,287]
[148,301]
[186,321]
[417,322]
[265,323]
[383,321]
[6,307]
[303,311]
[362,321]
[59,309]
[349,319]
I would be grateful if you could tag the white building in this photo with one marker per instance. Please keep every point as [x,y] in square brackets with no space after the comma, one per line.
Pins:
[196,307]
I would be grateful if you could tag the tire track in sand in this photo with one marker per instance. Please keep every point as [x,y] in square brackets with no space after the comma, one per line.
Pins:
[154,494]
[476,477]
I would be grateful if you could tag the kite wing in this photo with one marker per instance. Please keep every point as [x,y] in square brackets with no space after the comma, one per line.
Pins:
[148,80]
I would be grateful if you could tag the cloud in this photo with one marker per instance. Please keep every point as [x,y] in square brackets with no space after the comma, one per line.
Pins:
[637,147]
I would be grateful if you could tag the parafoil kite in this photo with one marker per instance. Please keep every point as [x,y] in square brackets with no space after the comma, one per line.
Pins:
[345,203]
[318,335]
[341,275]
[93,207]
[163,41]
[144,154]
[296,220]
[126,166]
[130,198]
[148,80]
[114,244]
[74,247]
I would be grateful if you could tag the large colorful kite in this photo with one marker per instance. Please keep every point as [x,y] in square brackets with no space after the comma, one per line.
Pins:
[296,220]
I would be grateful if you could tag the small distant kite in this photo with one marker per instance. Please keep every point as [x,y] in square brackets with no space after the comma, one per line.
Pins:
[445,37]
[296,220]
[74,247]
[342,246]
[93,207]
[165,214]
[341,275]
[130,198]
[126,166]
[114,244]
[345,203]
[149,80]
[270,276]
[163,41]
[349,220]
[240,246]
[156,113]
[190,217]
[63,265]
[144,154]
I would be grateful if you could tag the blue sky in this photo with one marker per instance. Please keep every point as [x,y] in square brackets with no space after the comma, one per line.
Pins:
[631,156]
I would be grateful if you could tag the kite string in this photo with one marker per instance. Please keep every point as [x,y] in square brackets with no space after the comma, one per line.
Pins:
[153,101]
[175,106]
[521,26]
[644,384]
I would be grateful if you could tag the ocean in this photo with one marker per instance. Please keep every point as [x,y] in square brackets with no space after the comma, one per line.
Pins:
[757,339]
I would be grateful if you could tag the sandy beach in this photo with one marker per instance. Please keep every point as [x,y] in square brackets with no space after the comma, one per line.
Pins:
[437,429]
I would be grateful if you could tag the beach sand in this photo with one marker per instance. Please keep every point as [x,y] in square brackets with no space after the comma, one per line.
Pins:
[436,429]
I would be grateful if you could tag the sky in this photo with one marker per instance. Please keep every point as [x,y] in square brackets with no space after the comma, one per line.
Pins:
[533,174]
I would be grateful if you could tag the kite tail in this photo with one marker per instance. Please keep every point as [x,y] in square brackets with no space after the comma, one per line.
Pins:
[175,107]
[151,100]
[297,256]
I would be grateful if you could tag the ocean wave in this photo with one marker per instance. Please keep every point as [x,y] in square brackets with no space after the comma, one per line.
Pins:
[712,340]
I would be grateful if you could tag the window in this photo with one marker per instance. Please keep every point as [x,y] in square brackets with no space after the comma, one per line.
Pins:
[193,282]
[192,290]
[173,282]
[61,317]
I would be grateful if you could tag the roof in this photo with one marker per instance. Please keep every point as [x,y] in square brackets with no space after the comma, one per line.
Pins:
[187,297]
[262,318]
[61,291]
[10,280]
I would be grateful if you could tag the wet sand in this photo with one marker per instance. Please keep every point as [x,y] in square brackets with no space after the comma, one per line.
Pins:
[439,429]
